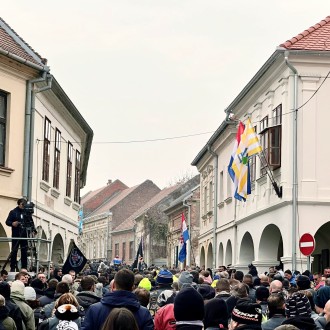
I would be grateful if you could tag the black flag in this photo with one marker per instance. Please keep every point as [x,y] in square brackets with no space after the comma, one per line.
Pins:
[139,254]
[75,261]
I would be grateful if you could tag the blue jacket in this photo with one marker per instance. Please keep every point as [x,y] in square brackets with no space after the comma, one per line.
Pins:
[97,313]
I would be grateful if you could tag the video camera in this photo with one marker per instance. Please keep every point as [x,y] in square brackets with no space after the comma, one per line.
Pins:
[27,216]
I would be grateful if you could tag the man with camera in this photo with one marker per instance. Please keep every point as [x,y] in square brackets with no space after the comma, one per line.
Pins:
[21,224]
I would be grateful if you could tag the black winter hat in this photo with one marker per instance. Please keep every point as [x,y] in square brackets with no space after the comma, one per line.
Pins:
[303,282]
[247,313]
[207,291]
[216,313]
[188,305]
[5,289]
[262,293]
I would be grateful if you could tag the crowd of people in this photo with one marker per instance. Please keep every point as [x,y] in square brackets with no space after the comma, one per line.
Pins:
[165,298]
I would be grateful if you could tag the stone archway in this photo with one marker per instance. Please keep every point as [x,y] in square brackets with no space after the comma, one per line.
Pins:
[58,250]
[202,257]
[321,254]
[4,246]
[229,254]
[220,255]
[246,254]
[209,260]
[43,246]
[271,245]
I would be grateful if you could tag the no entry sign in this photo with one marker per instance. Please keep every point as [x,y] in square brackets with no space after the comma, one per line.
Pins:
[307,244]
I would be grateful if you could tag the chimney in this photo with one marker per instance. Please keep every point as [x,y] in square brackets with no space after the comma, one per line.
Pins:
[109,182]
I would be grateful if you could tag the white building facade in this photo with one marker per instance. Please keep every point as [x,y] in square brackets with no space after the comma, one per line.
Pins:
[287,102]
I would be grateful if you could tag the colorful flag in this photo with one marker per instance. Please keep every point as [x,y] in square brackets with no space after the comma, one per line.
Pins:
[248,146]
[75,261]
[80,221]
[230,170]
[183,239]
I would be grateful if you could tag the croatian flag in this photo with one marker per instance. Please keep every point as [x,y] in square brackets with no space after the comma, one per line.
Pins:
[183,239]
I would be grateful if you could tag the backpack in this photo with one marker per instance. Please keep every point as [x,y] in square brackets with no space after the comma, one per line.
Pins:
[164,318]
[153,306]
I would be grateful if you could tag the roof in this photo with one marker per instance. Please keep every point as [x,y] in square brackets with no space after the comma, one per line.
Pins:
[15,47]
[129,222]
[113,201]
[314,38]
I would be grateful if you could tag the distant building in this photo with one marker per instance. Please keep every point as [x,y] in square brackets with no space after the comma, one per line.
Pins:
[98,240]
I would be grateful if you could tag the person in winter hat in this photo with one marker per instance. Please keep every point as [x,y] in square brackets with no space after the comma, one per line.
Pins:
[14,311]
[246,315]
[7,322]
[206,291]
[185,279]
[164,281]
[298,312]
[216,314]
[164,318]
[66,315]
[17,295]
[189,309]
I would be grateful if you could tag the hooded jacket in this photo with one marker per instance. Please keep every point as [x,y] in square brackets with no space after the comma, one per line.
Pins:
[87,298]
[6,321]
[97,313]
[14,311]
[17,295]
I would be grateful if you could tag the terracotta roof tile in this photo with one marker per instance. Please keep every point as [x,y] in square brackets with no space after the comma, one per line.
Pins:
[317,37]
[129,222]
[11,42]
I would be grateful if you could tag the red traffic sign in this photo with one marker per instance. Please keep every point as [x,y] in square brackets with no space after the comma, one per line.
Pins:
[307,244]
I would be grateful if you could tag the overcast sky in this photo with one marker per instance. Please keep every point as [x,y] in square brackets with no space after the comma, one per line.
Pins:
[152,69]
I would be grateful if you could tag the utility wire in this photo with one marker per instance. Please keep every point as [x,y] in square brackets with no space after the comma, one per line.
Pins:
[203,133]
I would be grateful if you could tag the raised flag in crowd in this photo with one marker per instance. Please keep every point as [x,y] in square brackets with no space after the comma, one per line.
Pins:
[249,145]
[183,239]
[139,253]
[75,261]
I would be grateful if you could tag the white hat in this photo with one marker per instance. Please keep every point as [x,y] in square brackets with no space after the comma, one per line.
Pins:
[29,293]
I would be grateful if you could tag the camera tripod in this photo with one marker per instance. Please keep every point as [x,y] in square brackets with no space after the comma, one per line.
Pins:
[28,242]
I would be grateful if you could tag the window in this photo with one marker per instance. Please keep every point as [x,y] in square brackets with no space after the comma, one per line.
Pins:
[229,181]
[131,248]
[210,195]
[252,164]
[77,178]
[117,249]
[205,199]
[124,251]
[221,197]
[69,170]
[270,139]
[57,159]
[3,122]
[46,156]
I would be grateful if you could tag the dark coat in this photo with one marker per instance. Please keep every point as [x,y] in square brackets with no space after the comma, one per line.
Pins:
[97,313]
[48,297]
[87,298]
[273,322]
[15,215]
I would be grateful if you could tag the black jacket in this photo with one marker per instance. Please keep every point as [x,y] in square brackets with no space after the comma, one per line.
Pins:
[87,298]
[15,215]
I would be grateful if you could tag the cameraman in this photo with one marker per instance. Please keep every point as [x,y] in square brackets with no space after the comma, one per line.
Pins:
[16,220]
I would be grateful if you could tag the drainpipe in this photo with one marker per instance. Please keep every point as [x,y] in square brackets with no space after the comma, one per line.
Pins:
[28,136]
[215,213]
[294,161]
